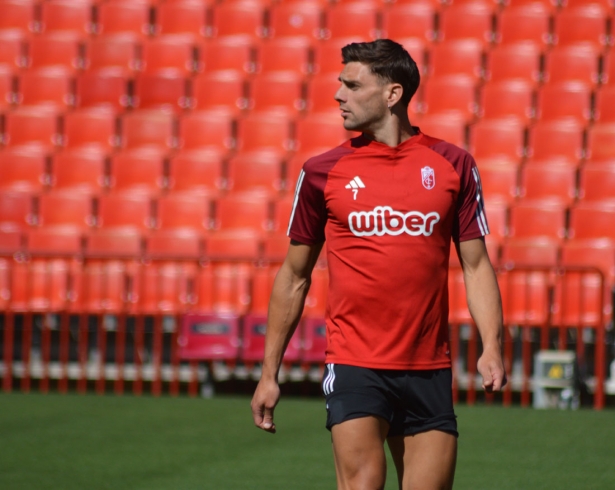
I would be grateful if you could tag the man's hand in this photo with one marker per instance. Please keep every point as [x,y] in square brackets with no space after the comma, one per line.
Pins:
[491,368]
[265,399]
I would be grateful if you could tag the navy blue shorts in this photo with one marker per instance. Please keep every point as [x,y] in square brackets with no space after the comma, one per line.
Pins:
[411,401]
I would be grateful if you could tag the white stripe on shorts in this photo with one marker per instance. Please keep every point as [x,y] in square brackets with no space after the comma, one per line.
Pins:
[327,384]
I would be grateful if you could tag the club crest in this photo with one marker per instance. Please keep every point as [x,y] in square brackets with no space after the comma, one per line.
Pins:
[429,177]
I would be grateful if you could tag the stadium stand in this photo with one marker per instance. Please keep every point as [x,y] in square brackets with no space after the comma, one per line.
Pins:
[352,19]
[91,127]
[123,17]
[296,18]
[498,137]
[23,168]
[527,22]
[113,51]
[197,170]
[18,14]
[213,128]
[285,54]
[80,169]
[105,87]
[470,20]
[63,15]
[459,56]
[222,88]
[256,170]
[410,20]
[520,60]
[165,90]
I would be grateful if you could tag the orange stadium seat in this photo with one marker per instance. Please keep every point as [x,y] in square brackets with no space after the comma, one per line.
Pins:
[526,22]
[125,210]
[166,91]
[320,129]
[525,297]
[571,99]
[352,19]
[174,244]
[592,220]
[597,181]
[601,142]
[256,170]
[213,128]
[245,17]
[285,54]
[499,180]
[459,56]
[498,137]
[225,289]
[508,98]
[227,53]
[234,245]
[16,209]
[197,170]
[147,128]
[537,219]
[113,244]
[497,219]
[558,138]
[452,94]
[582,24]
[448,126]
[91,127]
[171,51]
[520,60]
[23,168]
[54,240]
[139,169]
[224,88]
[574,62]
[31,125]
[590,252]
[549,181]
[65,207]
[604,109]
[270,129]
[321,91]
[296,18]
[410,20]
[328,55]
[184,210]
[12,52]
[49,86]
[164,287]
[18,14]
[7,81]
[243,210]
[123,17]
[79,169]
[55,49]
[467,20]
[113,51]
[539,252]
[66,15]
[281,90]
[107,87]
[186,17]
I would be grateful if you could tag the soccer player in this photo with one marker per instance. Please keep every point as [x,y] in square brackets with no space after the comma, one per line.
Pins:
[387,203]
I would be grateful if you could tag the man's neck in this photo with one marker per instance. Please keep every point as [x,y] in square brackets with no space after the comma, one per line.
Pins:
[394,132]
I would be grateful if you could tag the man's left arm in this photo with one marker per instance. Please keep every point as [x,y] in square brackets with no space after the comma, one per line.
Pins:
[485,304]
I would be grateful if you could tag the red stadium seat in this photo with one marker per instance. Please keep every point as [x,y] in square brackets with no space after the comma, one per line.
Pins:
[508,98]
[92,127]
[219,341]
[113,244]
[113,51]
[243,210]
[410,20]
[459,56]
[169,51]
[320,129]
[186,17]
[604,110]
[601,142]
[498,137]
[50,86]
[184,210]
[450,127]
[574,62]
[227,53]
[565,100]
[140,170]
[592,220]
[107,87]
[245,17]
[213,128]
[165,91]
[147,128]
[224,287]
[18,14]
[597,181]
[65,15]
[16,209]
[7,81]
[234,245]
[12,53]
[55,240]
[256,170]
[80,169]
[296,18]
[582,24]
[11,242]
[224,88]
[123,17]
[275,248]
[467,20]
[526,22]
[23,168]
[539,252]
[497,219]
[352,19]
[515,61]
[277,90]
[597,253]
[452,94]
[328,55]
[285,54]
[555,182]
[33,126]
[499,181]
[321,91]
[65,207]
[174,244]
[525,297]
[530,219]
[55,49]
[164,287]
[268,129]
[125,210]
[197,170]
[558,138]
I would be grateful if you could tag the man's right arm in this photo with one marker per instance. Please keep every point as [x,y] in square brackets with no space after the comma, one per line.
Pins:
[290,289]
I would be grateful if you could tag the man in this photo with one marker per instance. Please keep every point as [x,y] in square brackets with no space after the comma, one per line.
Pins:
[387,203]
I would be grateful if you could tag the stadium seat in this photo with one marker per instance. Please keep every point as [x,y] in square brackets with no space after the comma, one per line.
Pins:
[50,86]
[541,253]
[499,181]
[410,20]
[555,182]
[558,138]
[213,128]
[18,14]
[107,87]
[65,207]
[113,51]
[184,210]
[328,55]
[281,90]
[285,54]
[123,17]
[243,210]
[166,91]
[498,137]
[458,56]
[537,219]
[55,241]
[527,22]
[318,130]
[321,91]
[174,244]
[81,169]
[224,88]
[13,52]
[219,341]
[592,220]
[608,69]
[91,127]
[224,288]
[55,49]
[234,245]
[565,100]
[147,128]
[452,94]
[596,253]
[450,127]
[256,170]
[164,287]
[520,60]
[23,168]
[16,209]
[296,18]
[573,62]
[601,142]
[352,19]
[105,288]
[113,244]
[497,218]
[508,98]
[125,210]
[525,297]
[197,170]
[171,51]
[137,169]
[11,242]
[604,109]
[227,53]
[246,17]
[7,82]
[66,15]
[31,125]
[265,129]
[276,246]
[186,17]
[597,182]
[582,24]
[467,20]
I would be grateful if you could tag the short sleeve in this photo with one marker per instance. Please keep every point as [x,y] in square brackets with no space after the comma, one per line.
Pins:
[309,215]
[471,219]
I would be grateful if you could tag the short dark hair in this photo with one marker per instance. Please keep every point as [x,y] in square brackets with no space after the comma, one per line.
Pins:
[389,60]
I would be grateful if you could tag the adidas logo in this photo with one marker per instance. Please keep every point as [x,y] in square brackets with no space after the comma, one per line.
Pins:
[355,184]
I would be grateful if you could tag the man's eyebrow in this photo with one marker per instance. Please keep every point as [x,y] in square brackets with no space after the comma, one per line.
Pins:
[348,82]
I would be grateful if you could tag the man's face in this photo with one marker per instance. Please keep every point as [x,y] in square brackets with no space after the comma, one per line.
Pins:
[362,97]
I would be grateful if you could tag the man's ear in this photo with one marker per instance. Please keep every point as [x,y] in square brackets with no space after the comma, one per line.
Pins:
[395,93]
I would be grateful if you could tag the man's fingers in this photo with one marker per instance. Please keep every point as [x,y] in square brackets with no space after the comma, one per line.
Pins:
[268,424]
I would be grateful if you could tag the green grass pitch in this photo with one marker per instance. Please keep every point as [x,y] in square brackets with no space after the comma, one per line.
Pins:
[65,442]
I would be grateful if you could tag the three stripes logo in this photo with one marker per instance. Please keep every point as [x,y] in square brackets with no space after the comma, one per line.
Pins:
[327,383]
[355,184]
